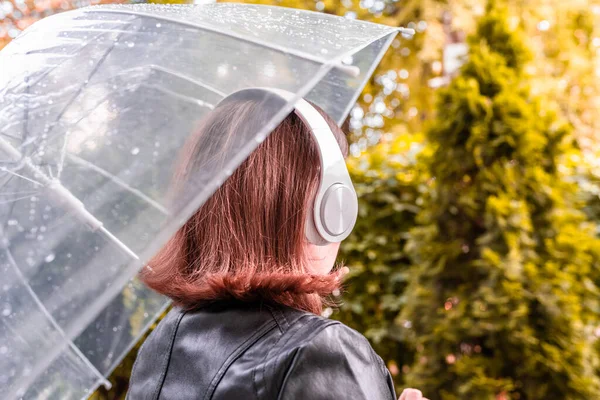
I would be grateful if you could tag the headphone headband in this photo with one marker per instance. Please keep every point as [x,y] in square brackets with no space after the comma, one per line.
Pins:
[335,206]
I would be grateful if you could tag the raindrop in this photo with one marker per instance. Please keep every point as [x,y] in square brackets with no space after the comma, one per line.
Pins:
[130,44]
[3,350]
[269,70]
[6,311]
[135,151]
[12,222]
[158,25]
[50,257]
[222,70]
[324,51]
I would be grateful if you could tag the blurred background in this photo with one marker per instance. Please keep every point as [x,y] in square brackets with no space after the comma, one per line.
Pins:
[475,265]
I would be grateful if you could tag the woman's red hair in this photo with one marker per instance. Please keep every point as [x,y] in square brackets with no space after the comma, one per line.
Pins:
[247,242]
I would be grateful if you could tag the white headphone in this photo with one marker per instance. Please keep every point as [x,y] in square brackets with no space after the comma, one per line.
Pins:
[335,206]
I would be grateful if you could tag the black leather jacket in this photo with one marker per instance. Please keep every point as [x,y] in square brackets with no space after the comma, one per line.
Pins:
[242,351]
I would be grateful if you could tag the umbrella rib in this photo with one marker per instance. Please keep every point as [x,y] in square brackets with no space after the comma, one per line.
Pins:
[60,115]
[42,76]
[51,354]
[19,176]
[15,200]
[119,182]
[187,78]
[63,193]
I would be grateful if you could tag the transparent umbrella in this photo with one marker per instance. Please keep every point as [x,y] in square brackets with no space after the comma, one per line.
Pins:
[95,106]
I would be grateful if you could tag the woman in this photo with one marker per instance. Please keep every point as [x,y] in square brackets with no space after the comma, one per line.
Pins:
[248,286]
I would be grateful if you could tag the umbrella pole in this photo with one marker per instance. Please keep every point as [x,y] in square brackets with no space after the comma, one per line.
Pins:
[64,196]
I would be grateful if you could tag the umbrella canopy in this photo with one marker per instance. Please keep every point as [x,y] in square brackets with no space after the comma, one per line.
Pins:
[95,106]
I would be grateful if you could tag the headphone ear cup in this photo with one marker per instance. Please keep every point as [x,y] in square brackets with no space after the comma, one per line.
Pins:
[339,210]
[337,215]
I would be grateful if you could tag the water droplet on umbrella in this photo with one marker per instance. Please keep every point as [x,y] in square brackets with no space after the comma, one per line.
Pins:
[158,25]
[130,44]
[135,150]
[6,311]
[50,257]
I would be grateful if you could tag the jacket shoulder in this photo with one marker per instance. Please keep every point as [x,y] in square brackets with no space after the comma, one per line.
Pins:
[322,358]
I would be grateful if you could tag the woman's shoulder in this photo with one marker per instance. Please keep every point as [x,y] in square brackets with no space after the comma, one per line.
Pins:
[307,330]
[323,358]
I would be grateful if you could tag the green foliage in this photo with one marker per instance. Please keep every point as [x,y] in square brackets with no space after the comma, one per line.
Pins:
[503,295]
[391,184]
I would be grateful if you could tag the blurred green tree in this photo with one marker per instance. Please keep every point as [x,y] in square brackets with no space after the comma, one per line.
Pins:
[391,184]
[502,301]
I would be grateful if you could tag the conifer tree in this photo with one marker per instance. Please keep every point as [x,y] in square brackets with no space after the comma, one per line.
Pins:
[502,300]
